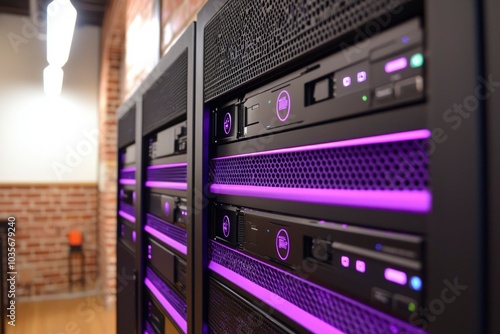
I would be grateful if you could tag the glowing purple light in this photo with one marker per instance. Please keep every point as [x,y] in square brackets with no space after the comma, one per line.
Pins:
[283,244]
[181,164]
[396,65]
[405,200]
[149,252]
[361,76]
[405,39]
[393,137]
[290,310]
[283,103]
[134,236]
[360,266]
[395,276]
[126,216]
[179,320]
[167,240]
[344,260]
[167,185]
[127,181]
[346,81]
[130,169]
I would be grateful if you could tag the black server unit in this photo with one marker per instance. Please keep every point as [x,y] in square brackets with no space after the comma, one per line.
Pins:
[341,188]
[167,132]
[127,293]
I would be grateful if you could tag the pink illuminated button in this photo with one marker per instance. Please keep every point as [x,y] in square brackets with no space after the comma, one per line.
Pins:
[396,65]
[360,266]
[395,276]
[361,76]
[344,260]
[346,81]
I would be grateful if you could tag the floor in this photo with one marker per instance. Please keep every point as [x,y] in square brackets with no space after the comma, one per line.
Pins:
[68,316]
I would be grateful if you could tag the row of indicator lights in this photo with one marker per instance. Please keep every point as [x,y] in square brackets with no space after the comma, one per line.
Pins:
[398,64]
[392,275]
[400,277]
[360,265]
[361,77]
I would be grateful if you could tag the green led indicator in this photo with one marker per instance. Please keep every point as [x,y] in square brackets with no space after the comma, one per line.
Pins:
[411,307]
[417,60]
[364,98]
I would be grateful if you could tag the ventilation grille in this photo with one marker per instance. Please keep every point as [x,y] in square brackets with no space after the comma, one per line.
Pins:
[170,174]
[126,128]
[149,329]
[177,303]
[246,39]
[342,313]
[127,174]
[167,98]
[229,314]
[174,232]
[402,165]
[127,208]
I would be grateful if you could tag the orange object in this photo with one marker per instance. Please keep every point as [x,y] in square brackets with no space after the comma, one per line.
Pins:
[75,238]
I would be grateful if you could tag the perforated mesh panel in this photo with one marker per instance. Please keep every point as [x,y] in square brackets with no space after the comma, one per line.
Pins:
[387,166]
[175,300]
[149,329]
[175,232]
[246,39]
[127,174]
[130,209]
[171,174]
[167,98]
[343,313]
[229,314]
[126,128]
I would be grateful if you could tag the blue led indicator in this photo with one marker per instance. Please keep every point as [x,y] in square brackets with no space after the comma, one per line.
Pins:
[416,283]
[378,247]
[405,39]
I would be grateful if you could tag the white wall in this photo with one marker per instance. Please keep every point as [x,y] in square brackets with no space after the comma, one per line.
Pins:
[46,139]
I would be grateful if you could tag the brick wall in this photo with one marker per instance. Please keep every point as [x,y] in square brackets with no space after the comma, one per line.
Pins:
[44,216]
[110,98]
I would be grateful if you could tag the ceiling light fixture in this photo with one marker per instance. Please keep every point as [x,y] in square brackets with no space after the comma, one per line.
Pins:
[61,19]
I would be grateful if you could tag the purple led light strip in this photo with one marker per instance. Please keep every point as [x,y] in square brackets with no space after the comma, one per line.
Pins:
[127,181]
[130,169]
[167,185]
[167,306]
[126,216]
[169,241]
[394,137]
[412,201]
[181,164]
[302,317]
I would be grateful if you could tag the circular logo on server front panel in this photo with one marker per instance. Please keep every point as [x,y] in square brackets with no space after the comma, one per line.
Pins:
[227,123]
[226,226]
[282,244]
[283,104]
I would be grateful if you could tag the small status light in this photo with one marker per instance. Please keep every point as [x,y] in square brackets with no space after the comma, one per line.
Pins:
[416,283]
[417,60]
[346,81]
[405,39]
[412,307]
[364,98]
[378,247]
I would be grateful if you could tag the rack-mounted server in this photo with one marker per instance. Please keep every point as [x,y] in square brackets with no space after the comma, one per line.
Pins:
[327,152]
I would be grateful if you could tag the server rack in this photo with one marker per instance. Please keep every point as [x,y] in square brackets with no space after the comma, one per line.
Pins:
[345,82]
[167,159]
[127,222]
